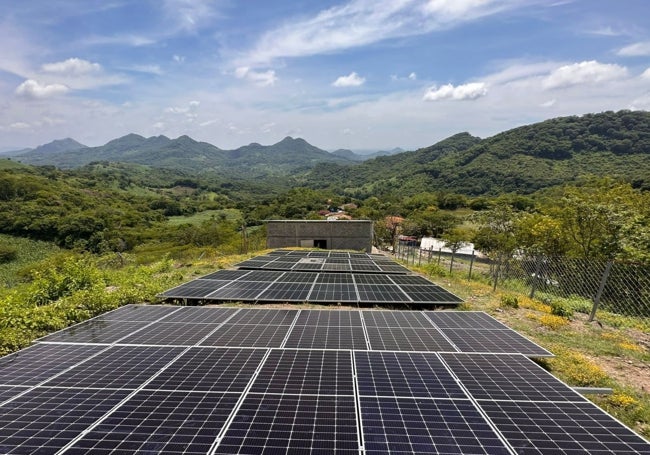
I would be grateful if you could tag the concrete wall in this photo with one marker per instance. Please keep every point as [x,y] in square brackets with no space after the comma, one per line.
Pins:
[337,235]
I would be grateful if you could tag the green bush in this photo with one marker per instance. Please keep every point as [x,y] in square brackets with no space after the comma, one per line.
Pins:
[7,253]
[559,308]
[509,301]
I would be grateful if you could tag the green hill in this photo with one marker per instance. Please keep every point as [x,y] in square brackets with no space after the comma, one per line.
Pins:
[522,160]
[187,155]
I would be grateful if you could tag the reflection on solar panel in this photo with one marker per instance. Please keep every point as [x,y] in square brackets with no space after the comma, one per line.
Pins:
[231,380]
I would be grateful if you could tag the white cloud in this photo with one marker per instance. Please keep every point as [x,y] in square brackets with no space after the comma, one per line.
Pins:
[641,49]
[362,22]
[72,66]
[351,80]
[469,91]
[147,69]
[189,15]
[413,76]
[259,78]
[19,126]
[33,89]
[583,73]
[178,58]
[549,103]
[120,40]
[646,74]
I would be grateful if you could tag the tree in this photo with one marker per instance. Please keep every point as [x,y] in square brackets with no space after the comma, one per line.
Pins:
[455,239]
[496,236]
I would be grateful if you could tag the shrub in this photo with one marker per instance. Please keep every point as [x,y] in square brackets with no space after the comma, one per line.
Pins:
[560,309]
[7,253]
[509,301]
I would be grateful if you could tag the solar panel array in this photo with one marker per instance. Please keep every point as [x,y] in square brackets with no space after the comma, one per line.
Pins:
[206,380]
[324,260]
[313,287]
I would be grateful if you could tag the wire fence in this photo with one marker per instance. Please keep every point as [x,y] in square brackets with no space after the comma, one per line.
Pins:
[597,288]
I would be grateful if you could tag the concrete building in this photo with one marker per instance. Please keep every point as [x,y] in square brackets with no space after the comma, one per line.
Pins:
[329,235]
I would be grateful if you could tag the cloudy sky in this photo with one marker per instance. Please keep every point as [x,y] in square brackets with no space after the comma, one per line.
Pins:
[359,74]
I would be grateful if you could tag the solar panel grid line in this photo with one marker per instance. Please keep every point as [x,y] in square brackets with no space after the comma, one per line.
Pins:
[49,378]
[293,324]
[103,418]
[357,399]
[443,334]
[508,377]
[562,428]
[238,405]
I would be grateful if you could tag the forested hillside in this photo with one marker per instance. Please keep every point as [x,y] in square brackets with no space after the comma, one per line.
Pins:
[521,160]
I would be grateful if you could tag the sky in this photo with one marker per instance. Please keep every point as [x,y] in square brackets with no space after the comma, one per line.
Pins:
[355,74]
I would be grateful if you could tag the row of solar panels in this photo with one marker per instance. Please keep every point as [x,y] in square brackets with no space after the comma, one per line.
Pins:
[351,288]
[304,329]
[326,261]
[122,398]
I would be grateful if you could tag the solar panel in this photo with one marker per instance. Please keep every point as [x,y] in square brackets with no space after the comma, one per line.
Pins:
[406,426]
[45,419]
[125,367]
[160,422]
[263,275]
[507,377]
[404,374]
[282,380]
[361,278]
[239,290]
[226,275]
[407,339]
[95,331]
[170,334]
[306,372]
[298,277]
[340,292]
[262,316]
[210,370]
[323,337]
[139,313]
[247,335]
[293,424]
[328,318]
[430,294]
[410,279]
[334,278]
[410,319]
[286,292]
[562,427]
[494,341]
[200,315]
[464,320]
[196,289]
[35,364]
[378,293]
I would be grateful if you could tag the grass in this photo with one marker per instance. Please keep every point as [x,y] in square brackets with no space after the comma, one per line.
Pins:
[198,218]
[27,252]
[614,353]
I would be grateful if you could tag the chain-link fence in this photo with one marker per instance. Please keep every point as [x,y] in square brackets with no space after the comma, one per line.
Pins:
[589,286]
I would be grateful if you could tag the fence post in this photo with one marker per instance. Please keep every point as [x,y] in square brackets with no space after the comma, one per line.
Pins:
[471,264]
[496,273]
[601,288]
[430,251]
[533,288]
[439,254]
[419,257]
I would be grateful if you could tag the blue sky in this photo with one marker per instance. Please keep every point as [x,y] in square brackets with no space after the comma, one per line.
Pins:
[359,74]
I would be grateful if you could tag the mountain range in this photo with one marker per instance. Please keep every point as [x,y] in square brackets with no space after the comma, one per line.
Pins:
[522,160]
[184,153]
